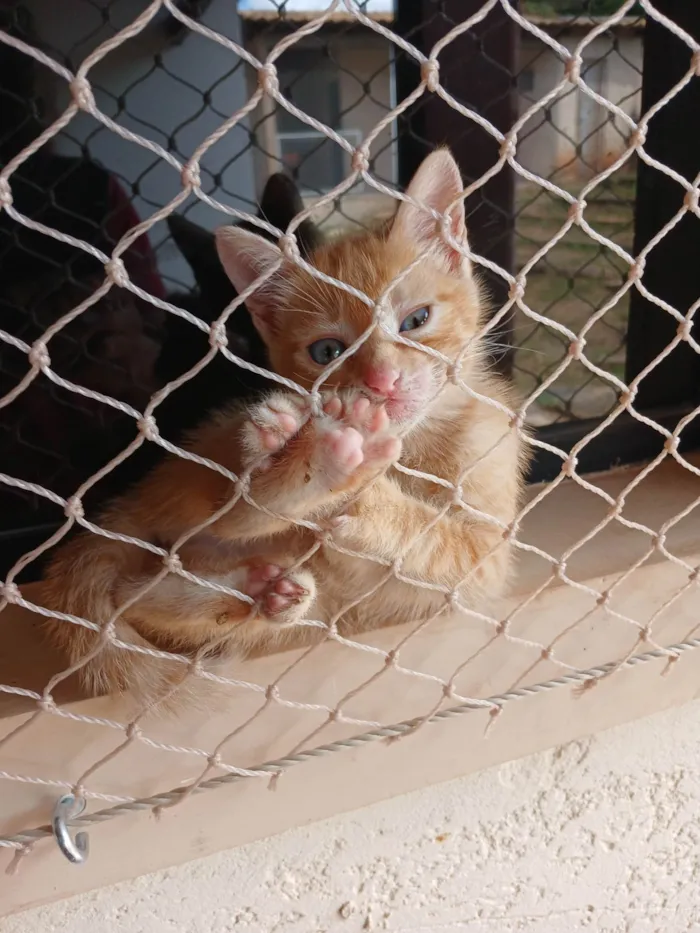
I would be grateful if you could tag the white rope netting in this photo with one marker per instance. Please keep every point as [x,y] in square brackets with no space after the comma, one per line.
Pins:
[450,699]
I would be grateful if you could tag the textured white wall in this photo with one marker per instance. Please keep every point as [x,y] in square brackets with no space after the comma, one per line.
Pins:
[600,835]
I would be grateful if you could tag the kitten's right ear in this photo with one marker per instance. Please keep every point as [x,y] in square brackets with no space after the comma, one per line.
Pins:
[245,257]
[280,203]
[437,184]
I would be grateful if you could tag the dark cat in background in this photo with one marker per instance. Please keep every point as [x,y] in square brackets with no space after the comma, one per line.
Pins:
[184,344]
[174,349]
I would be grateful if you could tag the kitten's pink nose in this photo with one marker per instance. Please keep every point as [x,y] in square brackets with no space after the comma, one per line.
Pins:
[382,379]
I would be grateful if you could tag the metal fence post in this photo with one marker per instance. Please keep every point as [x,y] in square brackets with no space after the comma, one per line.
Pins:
[478,68]
[672,271]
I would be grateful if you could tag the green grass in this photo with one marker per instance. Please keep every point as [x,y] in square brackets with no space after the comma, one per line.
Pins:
[575,279]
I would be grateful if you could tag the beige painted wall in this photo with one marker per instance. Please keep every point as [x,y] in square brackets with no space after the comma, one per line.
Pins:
[550,139]
[365,97]
[365,60]
[600,835]
[547,144]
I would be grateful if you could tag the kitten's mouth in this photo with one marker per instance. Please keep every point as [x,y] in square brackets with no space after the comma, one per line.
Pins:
[402,408]
[405,405]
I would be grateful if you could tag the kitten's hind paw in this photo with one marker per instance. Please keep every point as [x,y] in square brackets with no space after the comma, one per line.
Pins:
[271,424]
[282,596]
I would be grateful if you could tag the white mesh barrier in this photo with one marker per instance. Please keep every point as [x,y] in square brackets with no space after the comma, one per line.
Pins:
[450,700]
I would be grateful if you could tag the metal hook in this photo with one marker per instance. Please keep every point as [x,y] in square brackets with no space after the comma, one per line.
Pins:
[66,809]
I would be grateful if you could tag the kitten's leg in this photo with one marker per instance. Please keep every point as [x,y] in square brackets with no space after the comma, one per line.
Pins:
[456,550]
[191,614]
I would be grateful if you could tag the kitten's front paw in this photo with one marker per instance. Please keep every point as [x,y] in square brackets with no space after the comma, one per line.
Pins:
[270,425]
[380,445]
[338,454]
[358,440]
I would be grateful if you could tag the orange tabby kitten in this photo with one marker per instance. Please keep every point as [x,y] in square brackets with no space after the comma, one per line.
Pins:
[395,397]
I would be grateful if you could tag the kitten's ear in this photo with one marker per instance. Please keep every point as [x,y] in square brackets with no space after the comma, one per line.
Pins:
[245,257]
[280,201]
[437,184]
[279,205]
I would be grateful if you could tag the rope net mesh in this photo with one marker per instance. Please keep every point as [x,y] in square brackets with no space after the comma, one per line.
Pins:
[84,330]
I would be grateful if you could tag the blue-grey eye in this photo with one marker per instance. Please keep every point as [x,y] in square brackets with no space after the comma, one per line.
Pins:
[325,351]
[415,319]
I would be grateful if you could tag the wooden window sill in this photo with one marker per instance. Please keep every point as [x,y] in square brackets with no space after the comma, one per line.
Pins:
[56,749]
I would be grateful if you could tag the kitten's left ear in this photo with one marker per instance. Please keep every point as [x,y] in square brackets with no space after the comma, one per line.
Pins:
[280,203]
[245,257]
[437,184]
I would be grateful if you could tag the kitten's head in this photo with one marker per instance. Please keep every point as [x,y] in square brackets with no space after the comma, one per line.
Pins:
[308,324]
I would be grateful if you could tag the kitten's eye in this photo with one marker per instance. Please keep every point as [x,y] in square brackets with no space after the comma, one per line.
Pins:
[325,351]
[415,319]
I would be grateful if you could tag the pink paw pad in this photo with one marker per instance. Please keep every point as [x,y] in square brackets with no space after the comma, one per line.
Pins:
[342,449]
[378,420]
[272,437]
[358,410]
[271,426]
[382,450]
[273,591]
[333,407]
